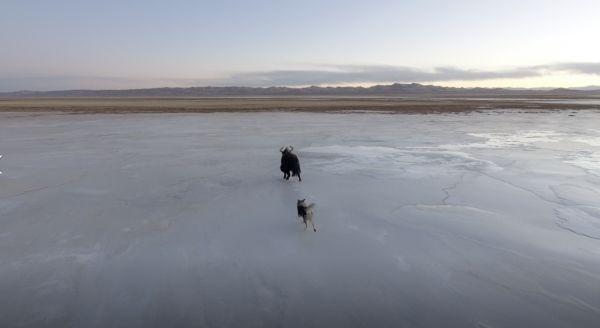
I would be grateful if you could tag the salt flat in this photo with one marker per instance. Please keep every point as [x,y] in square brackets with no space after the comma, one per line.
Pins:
[487,219]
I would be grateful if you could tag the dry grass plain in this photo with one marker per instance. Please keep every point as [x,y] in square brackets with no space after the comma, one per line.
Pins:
[310,104]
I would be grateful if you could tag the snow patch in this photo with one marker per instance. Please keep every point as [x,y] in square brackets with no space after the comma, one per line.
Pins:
[589,161]
[592,141]
[506,140]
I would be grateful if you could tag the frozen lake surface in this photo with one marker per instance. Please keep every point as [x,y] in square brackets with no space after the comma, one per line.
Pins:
[173,220]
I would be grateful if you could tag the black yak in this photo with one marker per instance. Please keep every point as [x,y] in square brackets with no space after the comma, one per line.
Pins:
[289,163]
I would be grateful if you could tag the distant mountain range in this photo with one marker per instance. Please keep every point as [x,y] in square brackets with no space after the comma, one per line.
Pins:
[396,89]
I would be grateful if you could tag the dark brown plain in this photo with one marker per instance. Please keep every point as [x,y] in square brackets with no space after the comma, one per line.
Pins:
[274,104]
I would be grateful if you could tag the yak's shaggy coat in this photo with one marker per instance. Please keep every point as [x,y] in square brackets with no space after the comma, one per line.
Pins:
[290,165]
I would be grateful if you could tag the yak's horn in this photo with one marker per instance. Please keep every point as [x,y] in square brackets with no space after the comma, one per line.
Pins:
[281,149]
[291,148]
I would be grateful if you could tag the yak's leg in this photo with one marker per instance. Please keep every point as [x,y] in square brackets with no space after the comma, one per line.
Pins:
[313,225]
[299,178]
[305,225]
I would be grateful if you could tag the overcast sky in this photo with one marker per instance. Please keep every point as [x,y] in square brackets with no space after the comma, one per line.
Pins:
[61,44]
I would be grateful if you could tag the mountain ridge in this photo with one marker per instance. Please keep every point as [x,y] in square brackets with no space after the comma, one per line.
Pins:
[395,89]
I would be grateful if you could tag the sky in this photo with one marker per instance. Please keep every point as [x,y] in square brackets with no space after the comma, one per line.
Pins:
[61,44]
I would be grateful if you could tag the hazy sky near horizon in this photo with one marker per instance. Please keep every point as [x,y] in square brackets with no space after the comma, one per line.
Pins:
[61,44]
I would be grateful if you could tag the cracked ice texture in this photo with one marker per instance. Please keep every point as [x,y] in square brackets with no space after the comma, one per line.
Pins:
[488,219]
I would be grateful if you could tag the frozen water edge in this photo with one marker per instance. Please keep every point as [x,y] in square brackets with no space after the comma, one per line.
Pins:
[183,220]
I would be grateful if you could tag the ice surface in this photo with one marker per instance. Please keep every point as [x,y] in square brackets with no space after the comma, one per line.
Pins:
[485,219]
[580,221]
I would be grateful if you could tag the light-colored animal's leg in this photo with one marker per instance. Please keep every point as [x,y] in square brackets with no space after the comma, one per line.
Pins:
[305,225]
[313,225]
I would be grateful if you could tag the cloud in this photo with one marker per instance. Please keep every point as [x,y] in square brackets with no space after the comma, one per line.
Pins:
[375,74]
[578,68]
[323,75]
[346,74]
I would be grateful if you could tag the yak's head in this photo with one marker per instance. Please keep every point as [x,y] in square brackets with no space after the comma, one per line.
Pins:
[286,150]
[301,202]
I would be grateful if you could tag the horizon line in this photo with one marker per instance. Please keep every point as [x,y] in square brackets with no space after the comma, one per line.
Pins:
[365,87]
